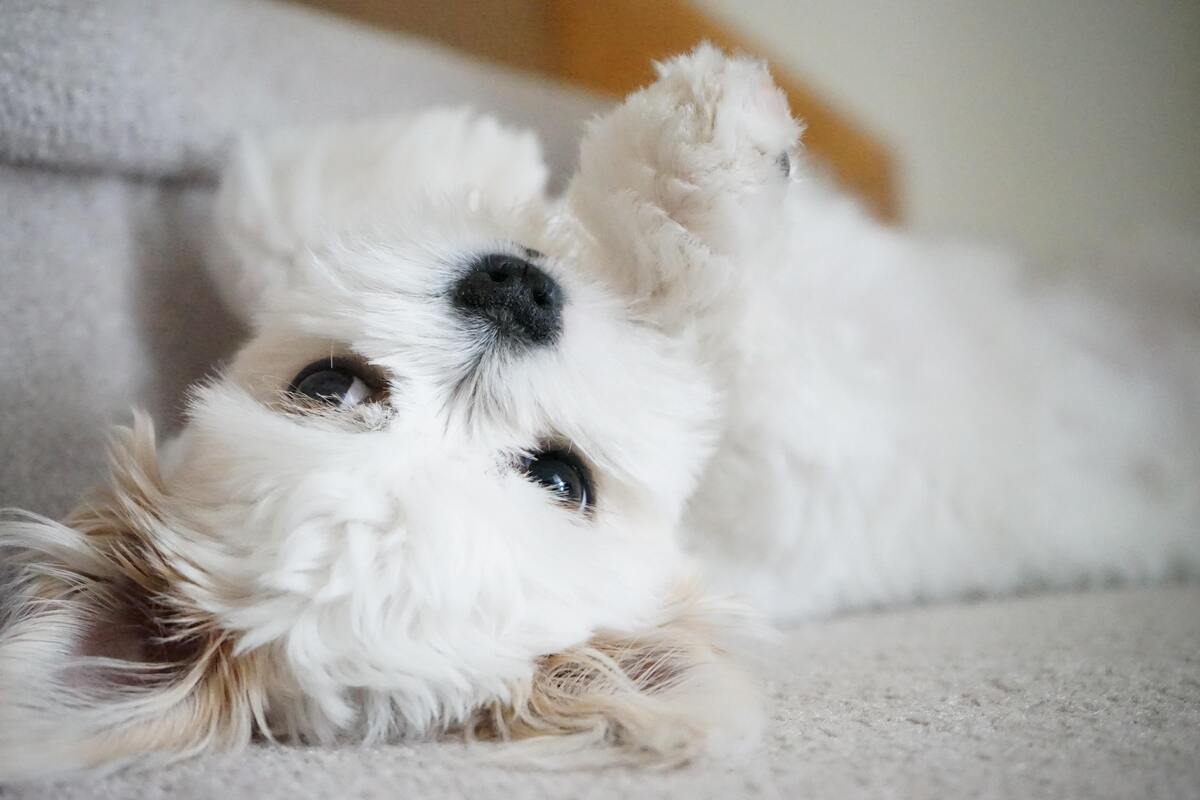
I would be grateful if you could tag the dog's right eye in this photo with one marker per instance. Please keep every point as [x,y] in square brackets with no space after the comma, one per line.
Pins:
[338,382]
[564,475]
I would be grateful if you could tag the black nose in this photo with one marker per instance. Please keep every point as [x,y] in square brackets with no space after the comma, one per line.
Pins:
[516,297]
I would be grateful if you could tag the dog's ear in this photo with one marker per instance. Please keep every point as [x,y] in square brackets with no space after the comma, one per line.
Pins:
[287,195]
[105,654]
[658,696]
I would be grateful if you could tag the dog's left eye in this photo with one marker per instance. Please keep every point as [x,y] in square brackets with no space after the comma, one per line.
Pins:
[338,382]
[564,475]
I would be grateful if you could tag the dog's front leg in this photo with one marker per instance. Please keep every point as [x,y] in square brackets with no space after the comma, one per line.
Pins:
[680,189]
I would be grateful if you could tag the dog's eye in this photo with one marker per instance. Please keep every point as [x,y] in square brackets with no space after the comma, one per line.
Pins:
[338,382]
[563,474]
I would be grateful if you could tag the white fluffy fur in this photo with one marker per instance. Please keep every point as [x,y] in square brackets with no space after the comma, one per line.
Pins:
[811,410]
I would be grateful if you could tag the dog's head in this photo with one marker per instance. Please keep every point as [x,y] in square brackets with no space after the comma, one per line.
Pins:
[439,489]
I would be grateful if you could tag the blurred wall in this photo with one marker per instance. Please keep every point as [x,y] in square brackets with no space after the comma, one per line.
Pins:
[1050,124]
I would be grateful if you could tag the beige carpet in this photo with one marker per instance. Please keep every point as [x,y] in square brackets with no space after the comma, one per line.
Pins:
[1088,696]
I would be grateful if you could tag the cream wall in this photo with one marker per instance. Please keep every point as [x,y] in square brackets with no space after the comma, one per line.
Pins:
[1050,124]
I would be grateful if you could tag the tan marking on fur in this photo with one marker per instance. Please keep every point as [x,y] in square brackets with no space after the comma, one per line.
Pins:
[615,689]
[181,689]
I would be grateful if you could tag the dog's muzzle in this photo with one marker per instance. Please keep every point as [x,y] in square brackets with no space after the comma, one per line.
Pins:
[516,298]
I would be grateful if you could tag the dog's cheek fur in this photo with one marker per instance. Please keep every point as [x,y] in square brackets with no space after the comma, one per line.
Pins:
[658,696]
[104,656]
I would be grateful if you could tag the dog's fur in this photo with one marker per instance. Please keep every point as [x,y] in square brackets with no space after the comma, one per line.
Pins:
[770,389]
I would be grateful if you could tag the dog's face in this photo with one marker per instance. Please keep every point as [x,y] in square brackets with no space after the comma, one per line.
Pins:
[439,487]
[443,455]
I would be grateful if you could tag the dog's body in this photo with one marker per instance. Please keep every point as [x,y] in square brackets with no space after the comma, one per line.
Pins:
[481,441]
[908,421]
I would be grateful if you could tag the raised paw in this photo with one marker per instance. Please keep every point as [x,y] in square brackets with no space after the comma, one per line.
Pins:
[724,122]
[685,178]
[710,127]
[708,146]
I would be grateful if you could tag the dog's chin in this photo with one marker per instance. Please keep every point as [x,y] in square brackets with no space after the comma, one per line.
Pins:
[110,629]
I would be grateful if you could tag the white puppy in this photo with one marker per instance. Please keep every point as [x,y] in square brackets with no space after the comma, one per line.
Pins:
[463,477]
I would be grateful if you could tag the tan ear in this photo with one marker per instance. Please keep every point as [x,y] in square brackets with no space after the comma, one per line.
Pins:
[662,695]
[104,655]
